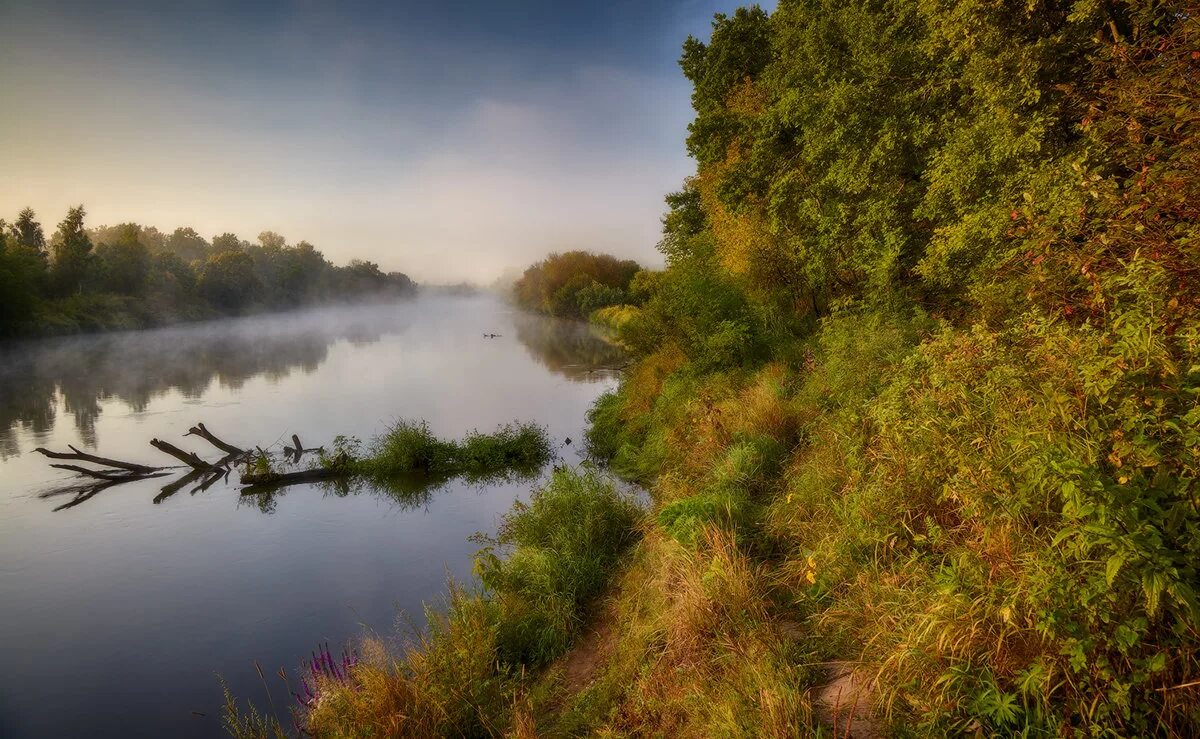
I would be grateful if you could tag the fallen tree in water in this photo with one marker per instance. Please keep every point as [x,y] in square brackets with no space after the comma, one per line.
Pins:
[408,448]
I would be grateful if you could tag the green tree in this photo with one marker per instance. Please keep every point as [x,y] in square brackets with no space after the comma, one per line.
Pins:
[189,245]
[124,264]
[271,240]
[551,286]
[22,278]
[227,242]
[26,231]
[227,280]
[72,252]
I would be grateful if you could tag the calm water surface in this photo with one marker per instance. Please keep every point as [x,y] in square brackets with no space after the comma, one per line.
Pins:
[118,614]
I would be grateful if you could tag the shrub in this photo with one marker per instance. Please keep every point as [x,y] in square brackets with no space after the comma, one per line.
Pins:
[564,542]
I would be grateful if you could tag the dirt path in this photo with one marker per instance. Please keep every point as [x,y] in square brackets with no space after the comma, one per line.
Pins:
[590,651]
[844,704]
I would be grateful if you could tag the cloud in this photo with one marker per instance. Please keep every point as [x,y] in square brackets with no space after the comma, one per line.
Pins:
[448,159]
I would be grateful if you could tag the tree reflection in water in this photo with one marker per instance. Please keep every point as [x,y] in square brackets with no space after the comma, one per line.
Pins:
[573,349]
[136,367]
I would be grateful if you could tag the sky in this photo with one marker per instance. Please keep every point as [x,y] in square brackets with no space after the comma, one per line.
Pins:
[449,139]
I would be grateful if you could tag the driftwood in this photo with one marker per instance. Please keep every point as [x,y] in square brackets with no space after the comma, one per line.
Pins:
[85,457]
[201,473]
[203,433]
[274,479]
[188,458]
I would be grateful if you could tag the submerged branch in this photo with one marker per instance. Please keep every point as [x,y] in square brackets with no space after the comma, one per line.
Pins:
[85,457]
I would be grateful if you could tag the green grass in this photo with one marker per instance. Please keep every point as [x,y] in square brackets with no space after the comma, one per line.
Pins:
[409,447]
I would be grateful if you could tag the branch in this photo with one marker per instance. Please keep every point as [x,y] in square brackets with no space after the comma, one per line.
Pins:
[85,457]
[211,438]
[188,458]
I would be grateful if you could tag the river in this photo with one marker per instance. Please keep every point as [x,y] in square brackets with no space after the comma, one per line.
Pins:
[119,613]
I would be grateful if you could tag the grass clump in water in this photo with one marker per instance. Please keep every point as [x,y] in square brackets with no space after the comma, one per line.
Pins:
[409,447]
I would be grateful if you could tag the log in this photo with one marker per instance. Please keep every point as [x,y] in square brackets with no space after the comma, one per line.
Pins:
[85,457]
[211,438]
[188,458]
[270,479]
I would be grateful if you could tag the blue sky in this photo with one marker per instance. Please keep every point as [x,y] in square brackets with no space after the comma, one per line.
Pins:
[453,140]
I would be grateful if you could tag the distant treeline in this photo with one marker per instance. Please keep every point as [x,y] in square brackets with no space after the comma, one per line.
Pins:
[132,276]
[574,284]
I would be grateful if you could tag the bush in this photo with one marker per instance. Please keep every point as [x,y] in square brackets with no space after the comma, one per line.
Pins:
[575,283]
[564,542]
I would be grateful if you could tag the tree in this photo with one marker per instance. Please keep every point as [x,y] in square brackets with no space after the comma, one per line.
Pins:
[228,281]
[551,285]
[22,276]
[27,231]
[271,240]
[125,263]
[227,242]
[72,252]
[189,245]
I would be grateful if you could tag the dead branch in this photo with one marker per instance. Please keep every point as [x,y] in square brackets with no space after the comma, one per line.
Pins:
[211,438]
[188,458]
[85,457]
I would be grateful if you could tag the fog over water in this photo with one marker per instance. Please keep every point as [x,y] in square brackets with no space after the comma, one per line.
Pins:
[121,610]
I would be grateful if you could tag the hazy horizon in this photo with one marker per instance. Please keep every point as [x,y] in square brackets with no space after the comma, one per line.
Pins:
[452,142]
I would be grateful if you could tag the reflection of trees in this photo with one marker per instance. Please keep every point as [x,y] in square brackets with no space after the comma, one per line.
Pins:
[136,367]
[571,348]
[406,492]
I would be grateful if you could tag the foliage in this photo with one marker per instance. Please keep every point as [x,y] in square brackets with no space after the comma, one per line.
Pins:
[573,284]
[170,277]
[564,543]
[409,447]
[934,287]
[72,249]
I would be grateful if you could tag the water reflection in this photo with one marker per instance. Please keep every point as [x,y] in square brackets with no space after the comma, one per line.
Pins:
[400,493]
[41,380]
[573,349]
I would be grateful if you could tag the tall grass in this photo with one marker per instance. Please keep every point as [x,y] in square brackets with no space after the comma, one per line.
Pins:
[409,447]
[967,516]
